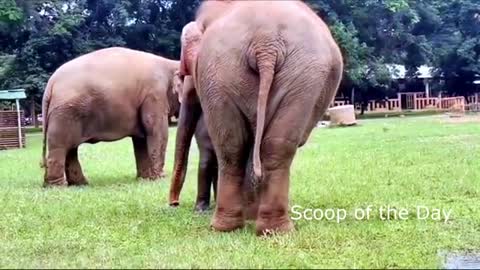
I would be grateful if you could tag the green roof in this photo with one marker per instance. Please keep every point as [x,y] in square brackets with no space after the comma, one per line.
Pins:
[12,94]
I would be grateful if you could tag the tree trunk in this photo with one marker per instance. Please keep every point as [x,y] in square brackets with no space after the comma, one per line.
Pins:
[33,113]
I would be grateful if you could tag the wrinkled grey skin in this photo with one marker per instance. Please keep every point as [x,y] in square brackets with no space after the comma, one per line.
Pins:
[108,95]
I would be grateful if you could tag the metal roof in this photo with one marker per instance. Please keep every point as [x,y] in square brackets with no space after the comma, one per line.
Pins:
[12,94]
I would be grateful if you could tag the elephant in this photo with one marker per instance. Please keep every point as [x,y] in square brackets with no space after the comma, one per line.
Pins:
[207,170]
[107,95]
[192,123]
[264,73]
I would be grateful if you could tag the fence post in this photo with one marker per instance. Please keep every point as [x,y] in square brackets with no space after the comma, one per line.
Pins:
[415,101]
[19,121]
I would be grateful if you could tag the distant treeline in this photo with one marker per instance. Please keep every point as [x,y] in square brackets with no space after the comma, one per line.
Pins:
[37,36]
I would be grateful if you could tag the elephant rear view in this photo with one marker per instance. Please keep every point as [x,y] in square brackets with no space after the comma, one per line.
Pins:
[107,95]
[265,72]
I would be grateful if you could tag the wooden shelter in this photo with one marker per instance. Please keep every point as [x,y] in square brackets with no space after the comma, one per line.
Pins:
[12,123]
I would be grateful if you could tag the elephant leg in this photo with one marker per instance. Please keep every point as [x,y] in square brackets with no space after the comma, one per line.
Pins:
[73,170]
[250,190]
[277,154]
[230,138]
[55,171]
[142,159]
[58,144]
[279,145]
[206,172]
[156,129]
[214,175]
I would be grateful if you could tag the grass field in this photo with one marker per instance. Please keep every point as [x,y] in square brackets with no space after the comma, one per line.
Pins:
[117,222]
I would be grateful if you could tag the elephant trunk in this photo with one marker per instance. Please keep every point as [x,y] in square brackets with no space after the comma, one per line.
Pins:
[189,116]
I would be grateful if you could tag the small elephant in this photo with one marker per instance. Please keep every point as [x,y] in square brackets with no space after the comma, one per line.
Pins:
[107,95]
[192,123]
[207,170]
[264,73]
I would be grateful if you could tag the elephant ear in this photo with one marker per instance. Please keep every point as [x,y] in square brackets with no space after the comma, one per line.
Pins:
[190,39]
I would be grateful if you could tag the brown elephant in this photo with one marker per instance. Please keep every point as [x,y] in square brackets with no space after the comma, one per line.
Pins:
[264,72]
[207,168]
[107,95]
[192,123]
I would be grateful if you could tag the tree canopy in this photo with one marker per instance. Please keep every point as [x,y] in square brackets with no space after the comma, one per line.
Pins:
[37,36]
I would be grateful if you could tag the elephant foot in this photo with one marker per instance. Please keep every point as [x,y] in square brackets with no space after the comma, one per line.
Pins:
[78,183]
[267,227]
[75,178]
[202,207]
[59,182]
[227,222]
[152,176]
[174,204]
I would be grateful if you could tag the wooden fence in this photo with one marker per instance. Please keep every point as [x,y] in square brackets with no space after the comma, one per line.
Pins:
[412,102]
[9,129]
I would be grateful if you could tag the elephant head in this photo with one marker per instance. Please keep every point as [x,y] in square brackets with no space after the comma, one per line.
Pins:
[190,39]
[173,94]
[192,33]
[190,111]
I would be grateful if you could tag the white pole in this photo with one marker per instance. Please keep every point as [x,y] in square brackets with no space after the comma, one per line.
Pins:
[19,120]
[427,88]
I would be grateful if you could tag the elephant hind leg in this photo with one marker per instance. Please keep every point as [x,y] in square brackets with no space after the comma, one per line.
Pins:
[73,169]
[250,191]
[279,145]
[58,142]
[155,123]
[55,170]
[142,159]
[231,139]
[277,155]
[207,171]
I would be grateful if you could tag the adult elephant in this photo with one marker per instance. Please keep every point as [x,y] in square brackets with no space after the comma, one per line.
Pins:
[264,72]
[107,95]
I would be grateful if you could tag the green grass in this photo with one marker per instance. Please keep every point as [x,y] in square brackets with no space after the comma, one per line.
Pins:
[117,222]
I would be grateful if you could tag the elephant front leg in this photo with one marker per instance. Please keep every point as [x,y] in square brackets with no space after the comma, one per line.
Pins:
[55,171]
[73,169]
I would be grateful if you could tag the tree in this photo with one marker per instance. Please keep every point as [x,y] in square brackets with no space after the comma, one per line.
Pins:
[40,35]
[458,45]
[373,34]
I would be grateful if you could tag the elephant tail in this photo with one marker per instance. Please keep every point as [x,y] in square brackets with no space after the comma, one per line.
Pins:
[45,106]
[266,63]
